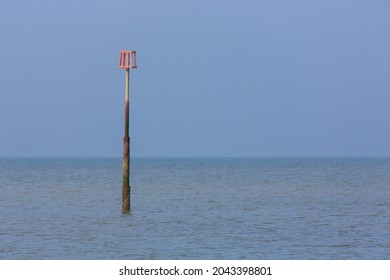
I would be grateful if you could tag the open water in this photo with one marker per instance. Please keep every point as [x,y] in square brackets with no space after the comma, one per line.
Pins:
[196,209]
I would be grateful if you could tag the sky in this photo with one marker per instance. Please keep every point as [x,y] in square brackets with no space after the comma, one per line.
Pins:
[215,78]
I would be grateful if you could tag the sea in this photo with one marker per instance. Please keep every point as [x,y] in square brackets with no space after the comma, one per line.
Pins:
[195,208]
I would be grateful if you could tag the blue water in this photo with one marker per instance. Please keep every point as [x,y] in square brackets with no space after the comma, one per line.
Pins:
[196,209]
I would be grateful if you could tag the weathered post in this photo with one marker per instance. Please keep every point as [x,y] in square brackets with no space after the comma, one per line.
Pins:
[127,60]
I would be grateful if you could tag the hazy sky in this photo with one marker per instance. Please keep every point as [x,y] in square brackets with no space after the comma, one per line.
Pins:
[215,77]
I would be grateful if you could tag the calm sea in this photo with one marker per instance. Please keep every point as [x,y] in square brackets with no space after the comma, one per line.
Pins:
[196,209]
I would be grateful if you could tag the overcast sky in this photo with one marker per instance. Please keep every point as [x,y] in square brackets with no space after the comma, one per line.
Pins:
[258,78]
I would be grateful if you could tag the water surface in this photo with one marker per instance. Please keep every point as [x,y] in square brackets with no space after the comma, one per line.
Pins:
[195,209]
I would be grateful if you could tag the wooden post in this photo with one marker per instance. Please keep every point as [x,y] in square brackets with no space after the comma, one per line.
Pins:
[126,153]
